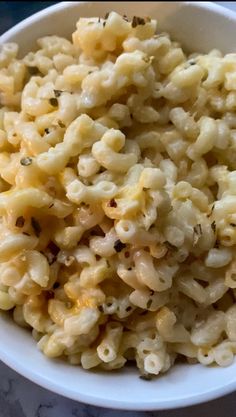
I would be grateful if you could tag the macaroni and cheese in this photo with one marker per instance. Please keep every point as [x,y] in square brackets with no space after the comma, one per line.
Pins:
[118,197]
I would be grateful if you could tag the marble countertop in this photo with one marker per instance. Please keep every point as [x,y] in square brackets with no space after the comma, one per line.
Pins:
[22,398]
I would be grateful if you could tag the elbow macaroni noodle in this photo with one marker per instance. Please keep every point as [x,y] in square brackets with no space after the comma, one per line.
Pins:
[118,197]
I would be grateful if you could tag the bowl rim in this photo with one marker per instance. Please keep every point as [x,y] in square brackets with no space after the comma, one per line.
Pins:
[43,380]
[116,404]
[207,5]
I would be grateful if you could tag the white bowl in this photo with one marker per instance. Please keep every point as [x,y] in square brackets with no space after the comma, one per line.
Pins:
[198,26]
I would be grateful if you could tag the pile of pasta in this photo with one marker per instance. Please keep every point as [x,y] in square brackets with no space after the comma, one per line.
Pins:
[118,197]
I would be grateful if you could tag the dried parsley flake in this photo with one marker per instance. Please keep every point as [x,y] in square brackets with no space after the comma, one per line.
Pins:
[26,161]
[20,221]
[53,101]
[36,226]
[213,226]
[146,377]
[57,93]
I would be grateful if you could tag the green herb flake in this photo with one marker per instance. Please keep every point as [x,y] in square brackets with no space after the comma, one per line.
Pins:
[36,226]
[26,161]
[146,377]
[213,226]
[212,208]
[217,244]
[20,221]
[57,93]
[53,101]
[61,124]
[137,21]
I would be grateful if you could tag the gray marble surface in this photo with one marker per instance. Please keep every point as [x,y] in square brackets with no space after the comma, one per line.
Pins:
[21,398]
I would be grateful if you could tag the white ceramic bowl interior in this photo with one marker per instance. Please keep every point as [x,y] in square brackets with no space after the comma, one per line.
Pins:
[199,26]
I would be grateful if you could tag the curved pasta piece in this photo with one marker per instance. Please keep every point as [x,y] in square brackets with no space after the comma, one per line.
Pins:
[80,134]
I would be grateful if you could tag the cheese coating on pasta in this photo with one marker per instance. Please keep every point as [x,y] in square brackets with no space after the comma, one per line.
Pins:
[118,196]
